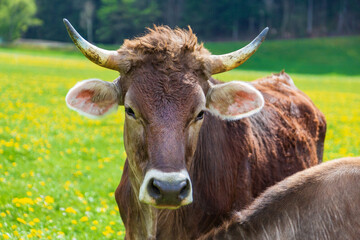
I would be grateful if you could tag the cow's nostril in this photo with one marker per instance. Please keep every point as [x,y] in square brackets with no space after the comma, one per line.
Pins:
[154,189]
[184,192]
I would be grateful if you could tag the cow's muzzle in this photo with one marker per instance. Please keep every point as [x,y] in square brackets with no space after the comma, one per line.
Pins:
[166,189]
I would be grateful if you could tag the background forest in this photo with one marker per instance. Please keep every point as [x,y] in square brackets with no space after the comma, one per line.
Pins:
[110,21]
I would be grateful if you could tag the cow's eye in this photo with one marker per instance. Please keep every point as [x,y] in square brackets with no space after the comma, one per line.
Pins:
[130,112]
[200,116]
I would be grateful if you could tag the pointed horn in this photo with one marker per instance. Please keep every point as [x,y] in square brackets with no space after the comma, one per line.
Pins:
[102,57]
[226,62]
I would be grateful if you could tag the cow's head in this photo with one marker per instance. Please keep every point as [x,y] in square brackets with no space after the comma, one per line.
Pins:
[165,88]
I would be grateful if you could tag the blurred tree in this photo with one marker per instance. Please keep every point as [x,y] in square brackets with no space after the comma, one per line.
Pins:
[87,18]
[125,18]
[110,21]
[15,17]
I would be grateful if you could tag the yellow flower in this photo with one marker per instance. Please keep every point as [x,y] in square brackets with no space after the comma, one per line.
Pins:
[112,223]
[95,222]
[77,173]
[5,236]
[31,223]
[73,221]
[22,201]
[16,233]
[49,199]
[84,219]
[42,183]
[21,220]
[36,220]
[93,228]
[70,210]
[3,214]
[29,194]
[13,226]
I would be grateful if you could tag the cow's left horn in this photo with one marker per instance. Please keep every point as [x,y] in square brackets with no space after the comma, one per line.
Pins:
[226,62]
[102,57]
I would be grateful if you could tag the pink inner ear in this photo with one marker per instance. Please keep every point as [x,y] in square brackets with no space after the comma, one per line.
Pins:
[86,94]
[82,101]
[243,102]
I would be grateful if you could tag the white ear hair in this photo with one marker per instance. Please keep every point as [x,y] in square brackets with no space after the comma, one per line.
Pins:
[93,98]
[234,100]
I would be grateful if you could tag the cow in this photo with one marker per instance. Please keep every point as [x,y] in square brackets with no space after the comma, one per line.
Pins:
[321,202]
[197,148]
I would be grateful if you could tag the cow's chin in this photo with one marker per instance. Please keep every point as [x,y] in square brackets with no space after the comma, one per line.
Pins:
[169,206]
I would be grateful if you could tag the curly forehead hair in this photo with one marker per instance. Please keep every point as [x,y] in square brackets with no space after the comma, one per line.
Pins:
[166,45]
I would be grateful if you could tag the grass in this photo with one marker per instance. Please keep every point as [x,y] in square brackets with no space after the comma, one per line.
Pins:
[58,170]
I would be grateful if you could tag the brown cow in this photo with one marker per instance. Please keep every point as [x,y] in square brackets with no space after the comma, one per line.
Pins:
[180,135]
[322,202]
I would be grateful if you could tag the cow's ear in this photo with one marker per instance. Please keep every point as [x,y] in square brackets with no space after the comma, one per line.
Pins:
[234,100]
[93,98]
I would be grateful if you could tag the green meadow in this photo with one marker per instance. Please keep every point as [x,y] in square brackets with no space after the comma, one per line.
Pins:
[59,170]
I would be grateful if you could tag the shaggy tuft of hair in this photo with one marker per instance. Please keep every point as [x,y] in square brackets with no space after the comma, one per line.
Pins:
[162,44]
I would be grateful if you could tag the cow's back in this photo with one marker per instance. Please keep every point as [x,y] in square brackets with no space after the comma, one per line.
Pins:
[236,160]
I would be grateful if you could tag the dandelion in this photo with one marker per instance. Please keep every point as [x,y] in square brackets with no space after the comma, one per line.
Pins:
[84,219]
[5,236]
[93,228]
[36,220]
[21,220]
[70,210]
[3,214]
[49,200]
[95,222]
[74,222]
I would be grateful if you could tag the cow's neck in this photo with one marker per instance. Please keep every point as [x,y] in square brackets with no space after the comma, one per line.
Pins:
[143,216]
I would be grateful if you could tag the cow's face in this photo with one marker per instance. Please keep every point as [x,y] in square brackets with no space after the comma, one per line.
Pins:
[164,113]
[165,104]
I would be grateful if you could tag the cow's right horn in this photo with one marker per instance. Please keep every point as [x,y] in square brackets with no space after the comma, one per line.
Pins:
[226,62]
[102,57]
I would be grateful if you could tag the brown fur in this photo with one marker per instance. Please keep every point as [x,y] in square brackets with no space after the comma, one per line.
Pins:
[229,163]
[318,203]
